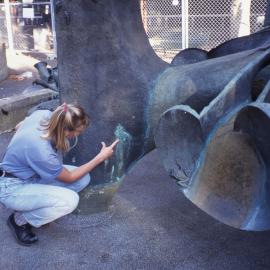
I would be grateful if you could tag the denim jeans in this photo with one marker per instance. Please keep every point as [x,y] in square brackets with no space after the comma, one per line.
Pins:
[41,201]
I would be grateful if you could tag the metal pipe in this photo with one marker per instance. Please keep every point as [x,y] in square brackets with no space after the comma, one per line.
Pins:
[53,28]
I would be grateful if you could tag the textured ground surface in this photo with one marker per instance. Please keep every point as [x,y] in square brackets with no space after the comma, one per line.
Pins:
[150,225]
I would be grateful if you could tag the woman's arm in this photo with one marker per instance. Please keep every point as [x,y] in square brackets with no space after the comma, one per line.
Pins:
[72,176]
[18,125]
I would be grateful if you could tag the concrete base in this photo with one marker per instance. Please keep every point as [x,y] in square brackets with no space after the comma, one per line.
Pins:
[97,198]
[14,109]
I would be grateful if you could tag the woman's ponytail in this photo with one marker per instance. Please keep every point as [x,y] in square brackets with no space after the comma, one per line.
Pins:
[66,117]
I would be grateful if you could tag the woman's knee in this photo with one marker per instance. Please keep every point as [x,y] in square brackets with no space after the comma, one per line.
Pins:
[70,201]
[61,204]
[74,201]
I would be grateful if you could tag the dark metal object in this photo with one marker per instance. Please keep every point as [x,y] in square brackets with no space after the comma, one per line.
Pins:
[43,71]
[131,94]
[109,70]
[193,55]
[189,56]
[218,169]
[109,74]
[48,76]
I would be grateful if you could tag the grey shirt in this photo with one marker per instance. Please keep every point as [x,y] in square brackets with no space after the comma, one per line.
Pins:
[29,154]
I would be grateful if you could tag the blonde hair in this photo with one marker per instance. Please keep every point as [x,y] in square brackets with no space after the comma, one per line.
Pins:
[67,117]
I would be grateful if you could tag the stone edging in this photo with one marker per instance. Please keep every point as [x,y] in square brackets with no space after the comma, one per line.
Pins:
[14,109]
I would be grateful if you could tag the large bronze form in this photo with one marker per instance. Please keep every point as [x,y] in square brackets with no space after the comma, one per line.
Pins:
[198,111]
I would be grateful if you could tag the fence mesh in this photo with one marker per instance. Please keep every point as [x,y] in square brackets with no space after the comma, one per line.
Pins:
[31,26]
[162,22]
[258,9]
[210,23]
[3,28]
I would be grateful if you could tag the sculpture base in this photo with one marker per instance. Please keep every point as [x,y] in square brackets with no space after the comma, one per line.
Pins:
[97,198]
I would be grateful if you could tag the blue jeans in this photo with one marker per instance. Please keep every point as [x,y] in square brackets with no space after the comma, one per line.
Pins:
[41,201]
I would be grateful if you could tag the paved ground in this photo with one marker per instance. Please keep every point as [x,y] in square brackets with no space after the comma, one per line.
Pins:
[150,225]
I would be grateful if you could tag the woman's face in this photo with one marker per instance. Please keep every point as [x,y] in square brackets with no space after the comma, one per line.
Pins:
[74,133]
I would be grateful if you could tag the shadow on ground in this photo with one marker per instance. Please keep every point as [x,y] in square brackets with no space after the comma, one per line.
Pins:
[150,225]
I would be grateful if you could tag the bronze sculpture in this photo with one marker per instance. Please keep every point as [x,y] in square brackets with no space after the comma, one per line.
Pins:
[107,64]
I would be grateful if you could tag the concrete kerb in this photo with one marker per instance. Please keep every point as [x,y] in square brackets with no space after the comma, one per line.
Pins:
[14,109]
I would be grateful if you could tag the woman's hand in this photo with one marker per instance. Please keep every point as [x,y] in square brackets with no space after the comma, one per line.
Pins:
[107,151]
[72,176]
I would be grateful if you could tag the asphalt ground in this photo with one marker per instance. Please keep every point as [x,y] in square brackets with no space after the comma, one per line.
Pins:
[149,225]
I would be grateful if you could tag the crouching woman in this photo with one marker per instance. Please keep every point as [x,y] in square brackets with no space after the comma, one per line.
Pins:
[34,182]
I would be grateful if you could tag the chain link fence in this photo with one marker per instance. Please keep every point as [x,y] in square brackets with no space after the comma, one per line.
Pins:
[3,28]
[210,23]
[163,24]
[31,26]
[257,14]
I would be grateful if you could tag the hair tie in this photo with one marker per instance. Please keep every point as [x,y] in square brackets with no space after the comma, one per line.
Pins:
[65,107]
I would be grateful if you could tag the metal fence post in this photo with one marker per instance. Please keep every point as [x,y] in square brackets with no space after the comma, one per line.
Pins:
[184,8]
[53,28]
[9,26]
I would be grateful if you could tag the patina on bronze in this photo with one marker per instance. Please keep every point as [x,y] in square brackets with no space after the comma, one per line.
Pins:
[107,65]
